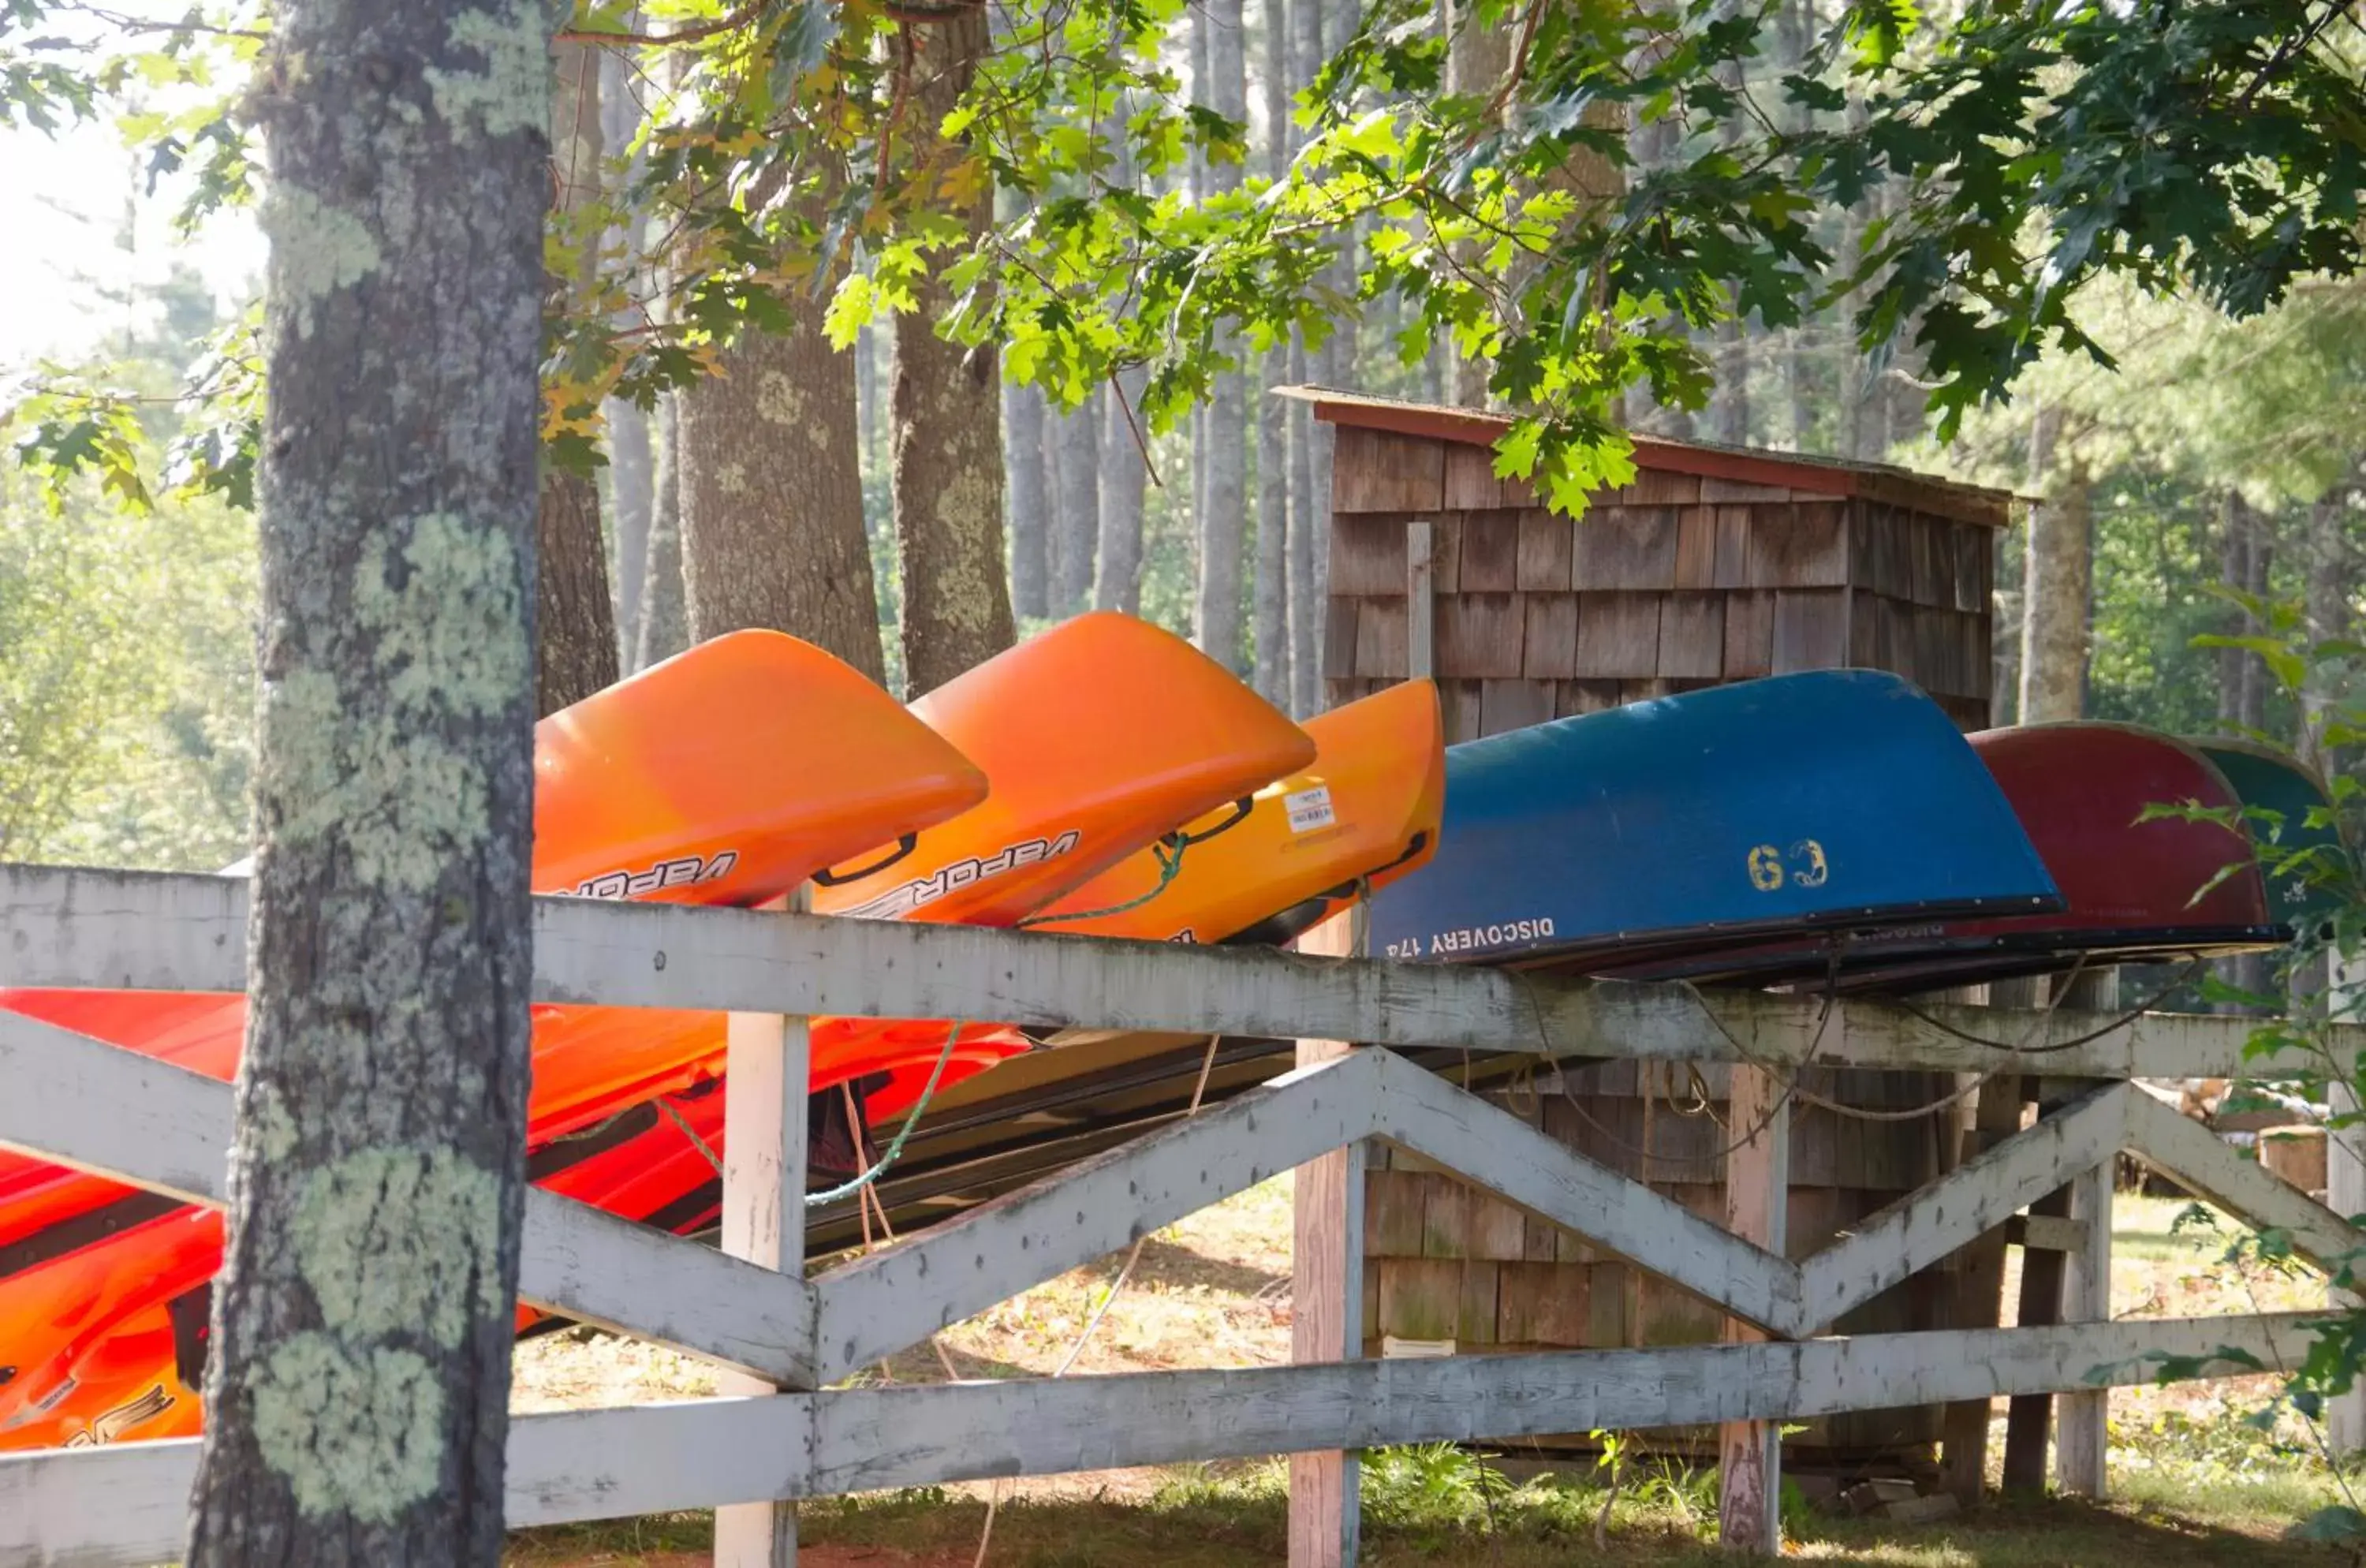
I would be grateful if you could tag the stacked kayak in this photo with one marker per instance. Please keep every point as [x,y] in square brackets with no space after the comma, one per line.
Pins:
[1363,812]
[697,781]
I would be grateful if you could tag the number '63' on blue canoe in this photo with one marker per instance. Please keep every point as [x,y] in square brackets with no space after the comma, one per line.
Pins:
[1830,799]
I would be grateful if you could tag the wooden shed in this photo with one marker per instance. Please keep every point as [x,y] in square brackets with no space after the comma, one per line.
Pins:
[1715,565]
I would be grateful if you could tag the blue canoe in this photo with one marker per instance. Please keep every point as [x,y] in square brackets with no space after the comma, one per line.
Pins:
[1830,799]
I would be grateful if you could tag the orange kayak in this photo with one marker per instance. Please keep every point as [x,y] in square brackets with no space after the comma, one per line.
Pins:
[1363,813]
[697,781]
[1148,732]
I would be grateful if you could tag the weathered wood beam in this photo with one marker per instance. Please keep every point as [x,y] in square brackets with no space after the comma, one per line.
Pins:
[1976,1196]
[766,1064]
[82,1103]
[1326,1278]
[156,930]
[1503,1154]
[900,1294]
[1757,1210]
[125,1503]
[2244,1187]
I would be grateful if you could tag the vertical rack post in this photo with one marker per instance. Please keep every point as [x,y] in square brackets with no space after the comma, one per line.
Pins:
[1327,1298]
[2345,1192]
[2081,1421]
[1757,1202]
[765,1069]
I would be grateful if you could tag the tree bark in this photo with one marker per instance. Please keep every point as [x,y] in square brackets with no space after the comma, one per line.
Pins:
[1117,568]
[1075,446]
[1476,56]
[1729,407]
[578,655]
[664,624]
[947,414]
[2332,574]
[358,1374]
[1275,650]
[1217,619]
[1028,498]
[630,479]
[2056,582]
[772,497]
[2246,554]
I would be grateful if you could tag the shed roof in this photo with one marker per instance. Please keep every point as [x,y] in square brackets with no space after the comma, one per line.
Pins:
[1745,464]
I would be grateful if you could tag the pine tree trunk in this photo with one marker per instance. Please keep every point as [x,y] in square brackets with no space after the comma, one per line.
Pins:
[1729,408]
[1117,568]
[1029,499]
[632,487]
[2332,573]
[1305,607]
[664,623]
[948,418]
[578,652]
[2246,552]
[1275,651]
[1223,525]
[2056,583]
[771,497]
[358,1373]
[1076,444]
[1476,56]
[630,478]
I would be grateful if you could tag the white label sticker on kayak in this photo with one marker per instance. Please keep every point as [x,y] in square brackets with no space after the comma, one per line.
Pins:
[1309,809]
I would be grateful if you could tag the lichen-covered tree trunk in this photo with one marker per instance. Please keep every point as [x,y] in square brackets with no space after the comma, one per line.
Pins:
[771,494]
[664,624]
[1074,447]
[1117,567]
[578,652]
[2056,582]
[1223,523]
[357,1385]
[947,412]
[1029,500]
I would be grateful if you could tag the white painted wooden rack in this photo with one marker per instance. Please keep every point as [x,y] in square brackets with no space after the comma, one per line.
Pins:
[785,1338]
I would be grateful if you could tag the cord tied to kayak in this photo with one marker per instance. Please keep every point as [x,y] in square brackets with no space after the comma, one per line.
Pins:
[1167,851]
[879,1168]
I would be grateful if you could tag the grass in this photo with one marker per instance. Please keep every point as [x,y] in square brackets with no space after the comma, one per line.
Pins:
[2194,1480]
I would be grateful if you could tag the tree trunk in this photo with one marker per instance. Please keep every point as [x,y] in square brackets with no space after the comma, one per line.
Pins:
[357,1383]
[2332,572]
[1217,610]
[1076,444]
[1117,571]
[1275,650]
[1476,56]
[2056,582]
[664,623]
[1029,500]
[771,498]
[1305,607]
[578,655]
[2245,554]
[948,417]
[630,481]
[1729,407]
[632,487]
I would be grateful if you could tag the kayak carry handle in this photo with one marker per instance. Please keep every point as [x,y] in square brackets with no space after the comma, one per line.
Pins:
[904,846]
[1241,809]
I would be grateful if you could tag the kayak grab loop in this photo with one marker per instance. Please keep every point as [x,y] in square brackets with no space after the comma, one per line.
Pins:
[1167,851]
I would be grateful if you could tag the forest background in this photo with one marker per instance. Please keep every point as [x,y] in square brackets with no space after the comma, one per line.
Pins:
[854,461]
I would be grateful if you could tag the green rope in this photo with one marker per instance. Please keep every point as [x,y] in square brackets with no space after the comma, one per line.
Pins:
[911,1118]
[1167,851]
[894,1148]
[691,1132]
